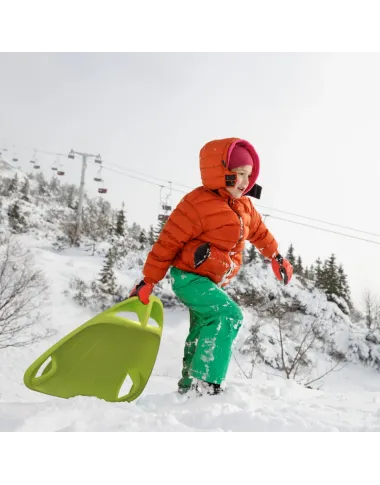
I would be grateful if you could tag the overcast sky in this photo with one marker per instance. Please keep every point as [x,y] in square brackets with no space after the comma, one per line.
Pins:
[314,120]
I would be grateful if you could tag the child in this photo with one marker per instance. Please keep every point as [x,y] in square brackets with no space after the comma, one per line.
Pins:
[203,243]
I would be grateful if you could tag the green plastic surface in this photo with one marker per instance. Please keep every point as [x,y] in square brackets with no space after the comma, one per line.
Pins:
[96,358]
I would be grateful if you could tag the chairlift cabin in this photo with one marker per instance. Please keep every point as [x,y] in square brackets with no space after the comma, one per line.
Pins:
[37,166]
[71,154]
[166,207]
[60,173]
[98,159]
[98,176]
[163,217]
[56,164]
[33,160]
[102,190]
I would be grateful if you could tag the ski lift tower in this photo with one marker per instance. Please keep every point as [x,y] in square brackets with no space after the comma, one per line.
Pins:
[84,156]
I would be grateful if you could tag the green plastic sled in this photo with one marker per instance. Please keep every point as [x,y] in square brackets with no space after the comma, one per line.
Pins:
[96,358]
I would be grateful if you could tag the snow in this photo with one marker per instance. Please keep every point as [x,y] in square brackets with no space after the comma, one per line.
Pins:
[257,398]
[349,399]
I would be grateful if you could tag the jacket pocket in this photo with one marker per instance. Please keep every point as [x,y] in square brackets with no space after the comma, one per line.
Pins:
[201,254]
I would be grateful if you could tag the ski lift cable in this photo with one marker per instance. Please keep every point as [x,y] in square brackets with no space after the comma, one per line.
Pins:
[266,215]
[318,220]
[278,210]
[141,179]
[322,229]
[191,188]
[146,175]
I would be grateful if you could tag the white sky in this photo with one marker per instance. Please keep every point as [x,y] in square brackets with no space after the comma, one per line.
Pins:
[313,118]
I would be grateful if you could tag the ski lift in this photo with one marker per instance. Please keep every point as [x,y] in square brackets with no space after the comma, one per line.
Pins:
[98,159]
[98,177]
[165,204]
[102,190]
[60,170]
[34,159]
[55,164]
[15,157]
[71,154]
[37,167]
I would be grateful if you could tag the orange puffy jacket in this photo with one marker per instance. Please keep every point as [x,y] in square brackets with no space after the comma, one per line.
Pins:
[205,233]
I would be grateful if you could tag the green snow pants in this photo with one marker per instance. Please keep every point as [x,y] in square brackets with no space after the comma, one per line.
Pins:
[215,320]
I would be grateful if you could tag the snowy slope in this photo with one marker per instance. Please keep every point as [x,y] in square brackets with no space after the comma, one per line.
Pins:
[348,400]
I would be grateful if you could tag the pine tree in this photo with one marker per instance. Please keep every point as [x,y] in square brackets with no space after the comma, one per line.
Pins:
[252,254]
[13,186]
[143,239]
[151,236]
[54,185]
[323,276]
[298,267]
[318,273]
[343,286]
[312,273]
[290,256]
[16,219]
[331,277]
[135,231]
[25,191]
[306,273]
[96,222]
[120,223]
[42,187]
[107,276]
[70,197]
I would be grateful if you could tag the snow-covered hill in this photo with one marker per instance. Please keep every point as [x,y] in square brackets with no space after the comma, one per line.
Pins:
[349,399]
[257,398]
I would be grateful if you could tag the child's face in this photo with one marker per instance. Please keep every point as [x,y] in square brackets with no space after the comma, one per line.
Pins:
[242,181]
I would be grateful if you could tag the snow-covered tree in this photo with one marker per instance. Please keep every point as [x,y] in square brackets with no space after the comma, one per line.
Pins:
[96,222]
[252,254]
[143,239]
[120,228]
[151,236]
[13,185]
[372,310]
[25,191]
[290,256]
[107,279]
[22,291]
[318,273]
[17,221]
[298,267]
